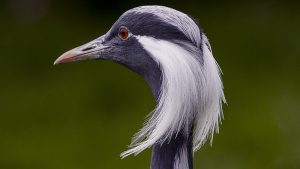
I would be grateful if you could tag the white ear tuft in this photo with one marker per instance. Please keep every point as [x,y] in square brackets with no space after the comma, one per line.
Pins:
[191,95]
[207,121]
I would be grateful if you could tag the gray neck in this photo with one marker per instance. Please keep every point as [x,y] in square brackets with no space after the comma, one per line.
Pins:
[176,153]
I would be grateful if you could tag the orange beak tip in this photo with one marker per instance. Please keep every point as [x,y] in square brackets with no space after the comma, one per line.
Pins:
[58,61]
[55,62]
[66,57]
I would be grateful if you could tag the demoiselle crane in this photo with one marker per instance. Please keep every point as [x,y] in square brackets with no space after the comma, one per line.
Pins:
[170,51]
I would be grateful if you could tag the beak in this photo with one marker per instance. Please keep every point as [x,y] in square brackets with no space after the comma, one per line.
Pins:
[89,51]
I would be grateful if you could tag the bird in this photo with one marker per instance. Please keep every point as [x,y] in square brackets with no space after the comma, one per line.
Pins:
[170,51]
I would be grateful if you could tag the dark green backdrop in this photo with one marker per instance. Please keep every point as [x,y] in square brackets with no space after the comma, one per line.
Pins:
[82,115]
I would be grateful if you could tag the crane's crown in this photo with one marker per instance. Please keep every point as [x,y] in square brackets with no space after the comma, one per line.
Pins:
[171,52]
[158,22]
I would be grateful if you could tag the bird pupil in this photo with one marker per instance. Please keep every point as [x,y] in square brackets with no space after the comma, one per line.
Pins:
[123,33]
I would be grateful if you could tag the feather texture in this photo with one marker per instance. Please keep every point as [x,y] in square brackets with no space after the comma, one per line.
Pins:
[191,94]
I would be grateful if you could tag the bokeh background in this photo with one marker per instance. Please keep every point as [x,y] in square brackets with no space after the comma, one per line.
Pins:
[82,115]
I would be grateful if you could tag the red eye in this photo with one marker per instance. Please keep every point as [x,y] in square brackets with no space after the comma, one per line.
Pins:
[123,33]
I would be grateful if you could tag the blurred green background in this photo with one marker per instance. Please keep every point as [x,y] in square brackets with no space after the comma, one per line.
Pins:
[82,115]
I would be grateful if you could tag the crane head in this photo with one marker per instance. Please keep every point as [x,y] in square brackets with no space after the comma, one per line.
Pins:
[172,53]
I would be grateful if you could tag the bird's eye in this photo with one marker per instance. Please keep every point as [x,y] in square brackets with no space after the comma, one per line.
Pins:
[123,33]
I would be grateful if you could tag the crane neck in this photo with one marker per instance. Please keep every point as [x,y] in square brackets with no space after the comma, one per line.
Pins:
[176,153]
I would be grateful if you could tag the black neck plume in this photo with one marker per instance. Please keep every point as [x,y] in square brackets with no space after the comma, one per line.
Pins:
[164,156]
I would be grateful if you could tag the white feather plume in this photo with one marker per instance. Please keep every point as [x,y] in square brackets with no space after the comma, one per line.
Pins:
[191,94]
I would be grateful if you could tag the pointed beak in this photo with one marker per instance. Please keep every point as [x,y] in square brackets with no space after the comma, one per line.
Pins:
[89,51]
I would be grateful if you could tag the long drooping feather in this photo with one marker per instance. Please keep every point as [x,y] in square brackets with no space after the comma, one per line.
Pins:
[191,94]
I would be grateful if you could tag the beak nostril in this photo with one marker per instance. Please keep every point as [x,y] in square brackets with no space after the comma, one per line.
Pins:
[88,48]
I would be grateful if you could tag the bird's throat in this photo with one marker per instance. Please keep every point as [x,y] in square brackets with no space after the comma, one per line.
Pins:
[176,154]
